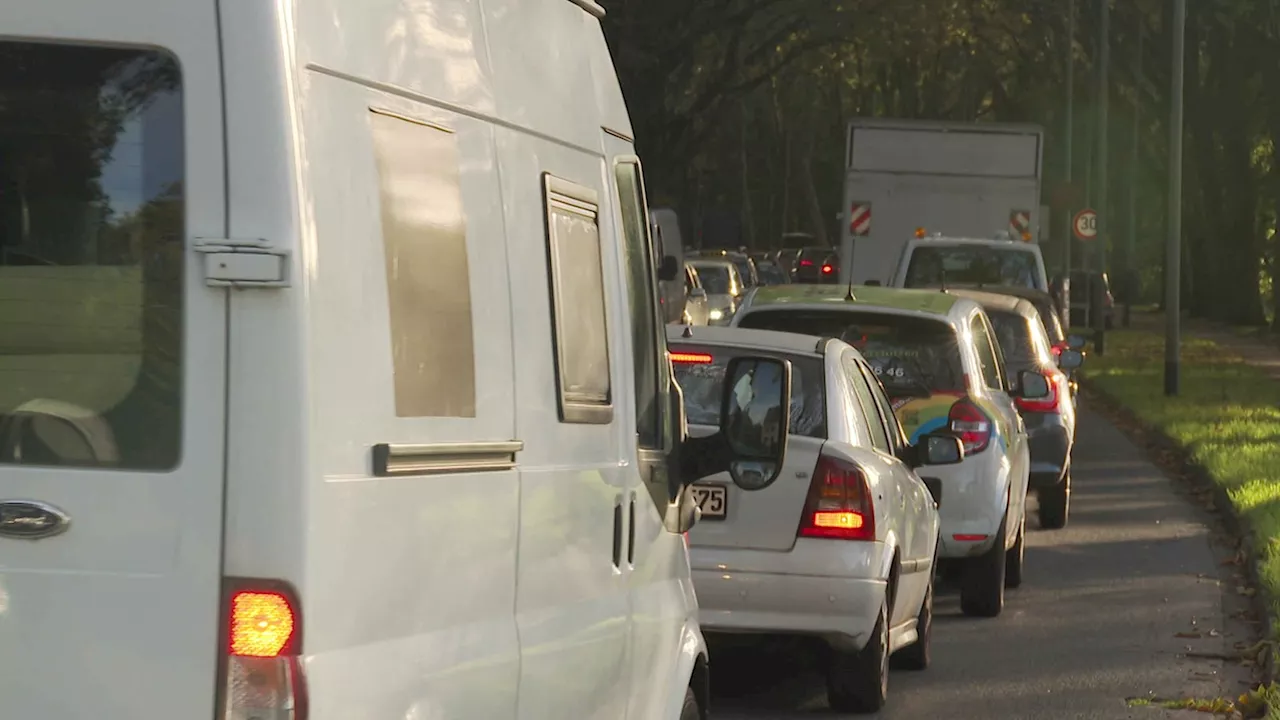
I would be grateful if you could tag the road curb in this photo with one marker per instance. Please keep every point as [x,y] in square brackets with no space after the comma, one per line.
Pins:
[1152,437]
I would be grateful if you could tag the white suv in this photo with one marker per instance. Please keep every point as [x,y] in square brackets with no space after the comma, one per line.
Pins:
[944,372]
[843,546]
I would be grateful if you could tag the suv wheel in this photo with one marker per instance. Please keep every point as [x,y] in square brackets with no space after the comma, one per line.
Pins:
[982,590]
[1055,504]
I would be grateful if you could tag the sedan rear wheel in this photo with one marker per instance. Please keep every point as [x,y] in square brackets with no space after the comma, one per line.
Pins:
[859,682]
[917,655]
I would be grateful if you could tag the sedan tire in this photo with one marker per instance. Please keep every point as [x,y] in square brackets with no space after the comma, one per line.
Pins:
[918,654]
[1055,504]
[858,682]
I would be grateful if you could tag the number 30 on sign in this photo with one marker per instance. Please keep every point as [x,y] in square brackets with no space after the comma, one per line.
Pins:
[1085,225]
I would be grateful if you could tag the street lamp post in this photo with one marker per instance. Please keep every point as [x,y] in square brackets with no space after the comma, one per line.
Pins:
[1104,63]
[1173,243]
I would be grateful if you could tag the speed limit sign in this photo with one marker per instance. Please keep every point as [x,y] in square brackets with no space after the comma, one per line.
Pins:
[1085,225]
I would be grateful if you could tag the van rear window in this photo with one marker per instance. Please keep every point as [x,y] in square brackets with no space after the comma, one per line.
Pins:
[91,256]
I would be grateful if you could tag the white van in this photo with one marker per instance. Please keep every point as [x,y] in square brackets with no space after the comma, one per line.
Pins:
[331,380]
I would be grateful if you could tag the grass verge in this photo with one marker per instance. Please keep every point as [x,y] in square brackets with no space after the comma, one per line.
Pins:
[1226,421]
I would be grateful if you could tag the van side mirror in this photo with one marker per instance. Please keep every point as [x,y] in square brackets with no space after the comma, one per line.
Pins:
[1032,386]
[1075,342]
[1070,359]
[669,269]
[755,418]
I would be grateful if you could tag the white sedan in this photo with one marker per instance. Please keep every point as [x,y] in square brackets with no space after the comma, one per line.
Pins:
[842,546]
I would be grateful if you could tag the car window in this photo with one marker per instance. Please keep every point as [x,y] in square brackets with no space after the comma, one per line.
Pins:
[1052,324]
[1013,331]
[897,438]
[641,304]
[879,435]
[972,265]
[987,358]
[715,278]
[700,371]
[912,356]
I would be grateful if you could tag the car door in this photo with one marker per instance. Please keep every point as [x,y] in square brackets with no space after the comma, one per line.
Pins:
[900,504]
[112,366]
[663,638]
[1008,419]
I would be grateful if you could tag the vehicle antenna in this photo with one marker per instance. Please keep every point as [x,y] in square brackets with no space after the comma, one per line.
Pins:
[849,296]
[943,273]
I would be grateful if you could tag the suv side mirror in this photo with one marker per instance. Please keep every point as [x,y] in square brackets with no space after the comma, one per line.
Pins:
[1075,342]
[1070,359]
[939,449]
[1032,386]
[755,419]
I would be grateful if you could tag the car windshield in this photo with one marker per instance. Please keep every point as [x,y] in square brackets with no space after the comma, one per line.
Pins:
[700,371]
[1014,335]
[974,264]
[715,279]
[911,355]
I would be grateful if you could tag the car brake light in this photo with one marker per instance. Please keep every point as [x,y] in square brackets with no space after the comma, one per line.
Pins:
[971,425]
[263,676]
[839,505]
[1046,404]
[806,263]
[826,269]
[690,358]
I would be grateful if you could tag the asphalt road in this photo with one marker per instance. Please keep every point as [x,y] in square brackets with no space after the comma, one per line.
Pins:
[1097,620]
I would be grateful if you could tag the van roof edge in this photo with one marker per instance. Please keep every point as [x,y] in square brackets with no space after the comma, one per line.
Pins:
[590,6]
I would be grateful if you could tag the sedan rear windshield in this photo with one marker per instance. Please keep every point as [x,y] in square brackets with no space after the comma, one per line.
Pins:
[700,371]
[973,265]
[715,278]
[911,355]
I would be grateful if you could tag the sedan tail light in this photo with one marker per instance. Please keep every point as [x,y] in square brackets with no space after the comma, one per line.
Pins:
[839,505]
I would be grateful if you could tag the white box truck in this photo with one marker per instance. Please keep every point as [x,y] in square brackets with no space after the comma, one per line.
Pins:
[973,180]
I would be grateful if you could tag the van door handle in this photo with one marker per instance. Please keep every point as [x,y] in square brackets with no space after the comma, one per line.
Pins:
[631,531]
[617,534]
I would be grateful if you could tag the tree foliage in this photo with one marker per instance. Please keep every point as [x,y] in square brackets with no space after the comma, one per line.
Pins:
[740,109]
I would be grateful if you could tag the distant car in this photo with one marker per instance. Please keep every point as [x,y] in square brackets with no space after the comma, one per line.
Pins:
[697,311]
[817,266]
[937,260]
[771,274]
[724,286]
[851,520]
[1050,421]
[938,358]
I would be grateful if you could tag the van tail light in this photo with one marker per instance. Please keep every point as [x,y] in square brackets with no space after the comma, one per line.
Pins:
[967,422]
[262,676]
[839,505]
[1048,404]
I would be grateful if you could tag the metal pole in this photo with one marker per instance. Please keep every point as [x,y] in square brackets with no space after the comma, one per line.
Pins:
[1104,62]
[1173,243]
[1069,238]
[1130,253]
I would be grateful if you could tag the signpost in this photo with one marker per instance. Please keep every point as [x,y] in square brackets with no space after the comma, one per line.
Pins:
[1085,225]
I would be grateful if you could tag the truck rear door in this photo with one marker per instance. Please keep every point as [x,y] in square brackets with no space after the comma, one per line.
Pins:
[112,360]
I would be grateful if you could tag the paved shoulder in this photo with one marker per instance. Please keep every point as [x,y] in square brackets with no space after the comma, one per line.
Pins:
[1109,609]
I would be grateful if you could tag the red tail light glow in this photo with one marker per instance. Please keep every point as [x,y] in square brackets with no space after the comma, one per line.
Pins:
[691,358]
[826,269]
[971,425]
[262,674]
[839,506]
[806,263]
[1046,404]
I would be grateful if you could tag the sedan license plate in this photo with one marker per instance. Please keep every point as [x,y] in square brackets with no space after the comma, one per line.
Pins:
[713,500]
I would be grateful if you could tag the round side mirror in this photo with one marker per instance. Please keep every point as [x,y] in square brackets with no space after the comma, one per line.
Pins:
[1076,342]
[1033,385]
[1070,359]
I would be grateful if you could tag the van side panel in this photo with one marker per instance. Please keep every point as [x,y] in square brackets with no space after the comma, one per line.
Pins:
[410,580]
